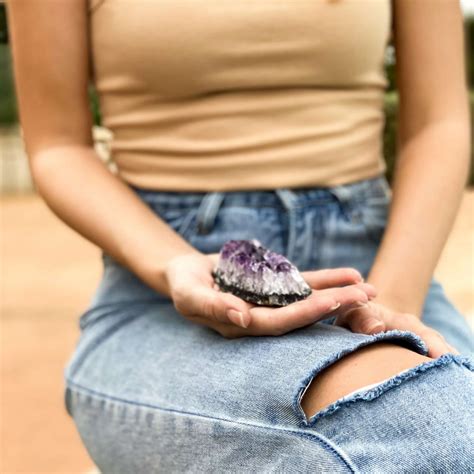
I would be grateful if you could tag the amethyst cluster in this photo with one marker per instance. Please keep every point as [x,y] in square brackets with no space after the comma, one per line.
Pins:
[257,275]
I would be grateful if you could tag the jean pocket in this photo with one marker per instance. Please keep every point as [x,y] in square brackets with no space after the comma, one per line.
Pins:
[181,219]
[373,214]
[233,223]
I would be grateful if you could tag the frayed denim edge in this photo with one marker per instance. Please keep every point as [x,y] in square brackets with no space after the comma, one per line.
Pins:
[393,382]
[379,389]
[406,337]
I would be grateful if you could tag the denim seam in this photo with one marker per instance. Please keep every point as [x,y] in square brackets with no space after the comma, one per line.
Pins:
[324,442]
[120,304]
[403,336]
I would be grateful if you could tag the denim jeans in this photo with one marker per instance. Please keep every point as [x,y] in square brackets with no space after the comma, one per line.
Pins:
[150,391]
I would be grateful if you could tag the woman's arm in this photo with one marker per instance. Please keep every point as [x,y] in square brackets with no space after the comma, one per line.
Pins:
[50,51]
[433,150]
[431,168]
[51,59]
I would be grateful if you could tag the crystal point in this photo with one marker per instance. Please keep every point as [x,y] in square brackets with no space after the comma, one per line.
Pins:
[257,275]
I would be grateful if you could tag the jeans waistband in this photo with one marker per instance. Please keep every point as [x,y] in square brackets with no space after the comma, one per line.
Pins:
[213,201]
[209,203]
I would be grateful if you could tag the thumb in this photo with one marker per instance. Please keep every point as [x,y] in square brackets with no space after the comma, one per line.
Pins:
[365,320]
[222,307]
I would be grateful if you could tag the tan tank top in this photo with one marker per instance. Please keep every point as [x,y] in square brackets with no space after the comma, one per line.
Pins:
[241,94]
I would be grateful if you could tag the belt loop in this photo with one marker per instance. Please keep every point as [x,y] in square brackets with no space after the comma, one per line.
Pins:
[342,193]
[207,211]
[287,197]
[289,200]
[346,198]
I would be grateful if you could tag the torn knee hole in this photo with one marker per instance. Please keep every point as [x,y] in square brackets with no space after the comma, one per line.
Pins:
[358,371]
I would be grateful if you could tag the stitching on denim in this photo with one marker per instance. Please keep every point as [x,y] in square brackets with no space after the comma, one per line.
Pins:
[326,443]
[77,364]
[322,201]
[396,335]
[112,308]
[374,228]
[208,210]
[392,382]
[187,226]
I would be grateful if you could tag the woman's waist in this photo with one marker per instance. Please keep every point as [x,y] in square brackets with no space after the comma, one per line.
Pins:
[372,187]
[263,172]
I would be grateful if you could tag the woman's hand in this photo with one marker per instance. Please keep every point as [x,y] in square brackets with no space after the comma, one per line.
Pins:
[198,299]
[376,317]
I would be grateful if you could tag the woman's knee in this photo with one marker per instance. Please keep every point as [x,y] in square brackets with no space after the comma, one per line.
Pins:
[368,365]
[418,421]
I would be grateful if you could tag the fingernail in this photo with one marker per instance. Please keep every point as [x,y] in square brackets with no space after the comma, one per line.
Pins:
[453,350]
[335,307]
[237,318]
[361,304]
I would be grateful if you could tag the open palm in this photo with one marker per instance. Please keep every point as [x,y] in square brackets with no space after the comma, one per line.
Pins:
[197,298]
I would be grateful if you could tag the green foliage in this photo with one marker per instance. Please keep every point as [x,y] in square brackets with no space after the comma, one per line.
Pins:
[390,131]
[471,174]
[94,106]
[3,25]
[469,29]
[8,110]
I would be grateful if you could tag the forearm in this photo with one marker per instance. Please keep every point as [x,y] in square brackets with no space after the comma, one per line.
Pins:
[84,194]
[429,179]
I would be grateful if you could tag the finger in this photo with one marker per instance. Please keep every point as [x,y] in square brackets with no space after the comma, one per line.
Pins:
[352,294]
[218,306]
[437,346]
[230,331]
[214,257]
[365,320]
[329,278]
[310,310]
[453,349]
[407,322]
[275,321]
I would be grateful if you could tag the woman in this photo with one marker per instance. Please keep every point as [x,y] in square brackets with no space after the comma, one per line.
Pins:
[257,120]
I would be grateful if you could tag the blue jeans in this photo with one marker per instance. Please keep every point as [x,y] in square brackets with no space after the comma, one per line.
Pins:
[150,391]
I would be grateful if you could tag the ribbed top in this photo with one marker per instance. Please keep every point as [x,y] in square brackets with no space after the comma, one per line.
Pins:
[207,95]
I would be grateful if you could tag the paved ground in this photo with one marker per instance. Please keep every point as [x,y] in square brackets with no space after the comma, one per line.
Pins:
[48,274]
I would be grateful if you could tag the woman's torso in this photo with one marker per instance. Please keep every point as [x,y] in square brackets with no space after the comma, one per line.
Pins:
[223,95]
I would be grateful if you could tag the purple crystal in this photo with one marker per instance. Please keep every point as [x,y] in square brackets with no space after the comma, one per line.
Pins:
[257,275]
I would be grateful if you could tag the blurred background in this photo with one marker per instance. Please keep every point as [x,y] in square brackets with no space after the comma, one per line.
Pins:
[48,273]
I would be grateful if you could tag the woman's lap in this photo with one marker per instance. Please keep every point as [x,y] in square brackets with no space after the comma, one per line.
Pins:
[145,386]
[148,387]
[440,314]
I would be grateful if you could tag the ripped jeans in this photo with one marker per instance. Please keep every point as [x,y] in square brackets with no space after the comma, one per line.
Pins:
[150,391]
